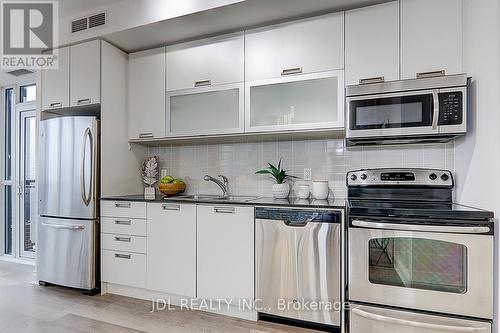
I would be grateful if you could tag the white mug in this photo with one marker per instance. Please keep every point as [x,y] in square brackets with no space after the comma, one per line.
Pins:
[320,189]
[303,191]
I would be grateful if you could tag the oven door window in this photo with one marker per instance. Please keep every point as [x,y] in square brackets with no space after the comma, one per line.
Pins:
[391,112]
[418,263]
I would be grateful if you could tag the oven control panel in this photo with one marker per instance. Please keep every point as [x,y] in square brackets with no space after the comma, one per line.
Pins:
[400,177]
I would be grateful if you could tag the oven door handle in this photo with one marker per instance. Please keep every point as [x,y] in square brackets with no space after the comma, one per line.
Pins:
[416,324]
[428,228]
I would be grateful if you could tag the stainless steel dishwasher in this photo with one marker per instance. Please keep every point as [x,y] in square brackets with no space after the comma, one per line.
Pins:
[298,265]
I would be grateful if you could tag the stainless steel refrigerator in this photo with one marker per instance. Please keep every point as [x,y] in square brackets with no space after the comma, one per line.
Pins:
[68,202]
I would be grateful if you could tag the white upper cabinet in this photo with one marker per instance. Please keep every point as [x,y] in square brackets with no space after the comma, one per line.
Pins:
[171,248]
[372,43]
[431,37]
[207,62]
[146,94]
[85,73]
[55,83]
[305,46]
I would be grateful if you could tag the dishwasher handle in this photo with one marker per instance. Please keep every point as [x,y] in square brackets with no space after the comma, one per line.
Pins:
[301,223]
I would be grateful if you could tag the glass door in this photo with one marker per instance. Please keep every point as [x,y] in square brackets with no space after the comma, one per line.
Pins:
[7,195]
[27,187]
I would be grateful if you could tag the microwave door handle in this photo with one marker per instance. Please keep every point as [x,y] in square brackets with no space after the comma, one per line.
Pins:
[423,228]
[416,324]
[435,115]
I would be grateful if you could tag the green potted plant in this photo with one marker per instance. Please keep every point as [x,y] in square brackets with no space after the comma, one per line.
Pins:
[281,189]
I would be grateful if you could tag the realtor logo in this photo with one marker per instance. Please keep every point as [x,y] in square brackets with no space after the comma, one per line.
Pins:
[29,32]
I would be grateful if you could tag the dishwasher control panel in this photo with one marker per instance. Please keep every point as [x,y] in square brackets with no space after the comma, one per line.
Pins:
[298,216]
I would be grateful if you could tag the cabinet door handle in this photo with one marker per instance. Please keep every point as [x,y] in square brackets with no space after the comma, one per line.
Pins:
[171,207]
[128,222]
[290,71]
[123,204]
[423,75]
[202,83]
[122,256]
[56,105]
[123,239]
[146,135]
[83,101]
[224,210]
[377,79]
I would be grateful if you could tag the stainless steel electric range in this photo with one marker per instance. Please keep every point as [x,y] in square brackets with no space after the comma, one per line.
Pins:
[417,261]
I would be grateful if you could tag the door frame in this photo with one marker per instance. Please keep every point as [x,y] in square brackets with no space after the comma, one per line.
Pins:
[31,111]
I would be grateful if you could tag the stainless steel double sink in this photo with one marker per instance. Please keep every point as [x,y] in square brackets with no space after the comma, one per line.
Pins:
[214,198]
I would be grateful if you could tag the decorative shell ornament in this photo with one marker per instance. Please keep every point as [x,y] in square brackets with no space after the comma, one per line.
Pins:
[150,171]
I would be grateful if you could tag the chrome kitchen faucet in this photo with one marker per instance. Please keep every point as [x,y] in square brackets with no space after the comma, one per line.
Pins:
[224,185]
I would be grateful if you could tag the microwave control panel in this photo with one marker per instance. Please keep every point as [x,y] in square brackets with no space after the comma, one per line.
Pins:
[451,108]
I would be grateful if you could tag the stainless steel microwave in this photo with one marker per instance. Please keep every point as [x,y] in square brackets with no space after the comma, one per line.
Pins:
[430,109]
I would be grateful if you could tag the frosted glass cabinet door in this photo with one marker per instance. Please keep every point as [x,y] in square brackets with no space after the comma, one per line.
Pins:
[313,101]
[205,111]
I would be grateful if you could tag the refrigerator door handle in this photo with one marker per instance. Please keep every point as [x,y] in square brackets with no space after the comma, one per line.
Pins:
[86,198]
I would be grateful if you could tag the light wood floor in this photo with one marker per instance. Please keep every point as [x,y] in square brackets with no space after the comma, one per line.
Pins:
[27,308]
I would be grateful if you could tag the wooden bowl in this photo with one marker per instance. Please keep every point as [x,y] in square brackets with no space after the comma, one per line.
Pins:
[171,189]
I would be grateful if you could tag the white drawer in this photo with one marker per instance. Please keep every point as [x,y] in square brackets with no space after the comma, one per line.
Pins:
[130,209]
[123,268]
[123,226]
[126,243]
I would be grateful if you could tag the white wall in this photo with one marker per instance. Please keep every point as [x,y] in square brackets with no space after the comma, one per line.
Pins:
[128,14]
[477,156]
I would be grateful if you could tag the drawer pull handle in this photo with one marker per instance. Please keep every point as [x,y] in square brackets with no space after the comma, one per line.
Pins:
[224,210]
[290,71]
[83,101]
[202,83]
[146,135]
[56,105]
[171,207]
[378,79]
[123,222]
[122,256]
[423,75]
[123,205]
[123,239]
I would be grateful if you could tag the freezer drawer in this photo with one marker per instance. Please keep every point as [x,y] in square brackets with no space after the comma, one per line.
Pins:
[67,252]
[364,319]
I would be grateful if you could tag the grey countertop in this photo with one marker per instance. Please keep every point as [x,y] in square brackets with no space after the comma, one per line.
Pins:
[260,201]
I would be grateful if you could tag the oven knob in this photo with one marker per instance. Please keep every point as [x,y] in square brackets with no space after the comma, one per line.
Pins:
[363,176]
[354,177]
[433,176]
[444,177]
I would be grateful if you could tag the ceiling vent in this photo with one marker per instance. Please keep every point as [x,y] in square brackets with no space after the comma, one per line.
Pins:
[89,22]
[20,72]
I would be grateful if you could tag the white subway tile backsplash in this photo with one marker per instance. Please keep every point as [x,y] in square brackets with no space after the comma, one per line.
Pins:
[329,159]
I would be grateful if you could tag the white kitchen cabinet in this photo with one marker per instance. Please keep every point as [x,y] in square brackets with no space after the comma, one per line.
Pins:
[305,46]
[431,37]
[225,252]
[207,62]
[171,248]
[372,43]
[125,268]
[146,94]
[85,73]
[302,102]
[55,83]
[208,110]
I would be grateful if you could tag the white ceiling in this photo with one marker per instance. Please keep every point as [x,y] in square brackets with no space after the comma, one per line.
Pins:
[238,16]
[74,7]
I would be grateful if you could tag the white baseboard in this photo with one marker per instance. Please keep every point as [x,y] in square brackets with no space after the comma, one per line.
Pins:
[175,300]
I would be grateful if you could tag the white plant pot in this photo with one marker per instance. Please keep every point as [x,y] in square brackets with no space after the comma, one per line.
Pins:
[281,191]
